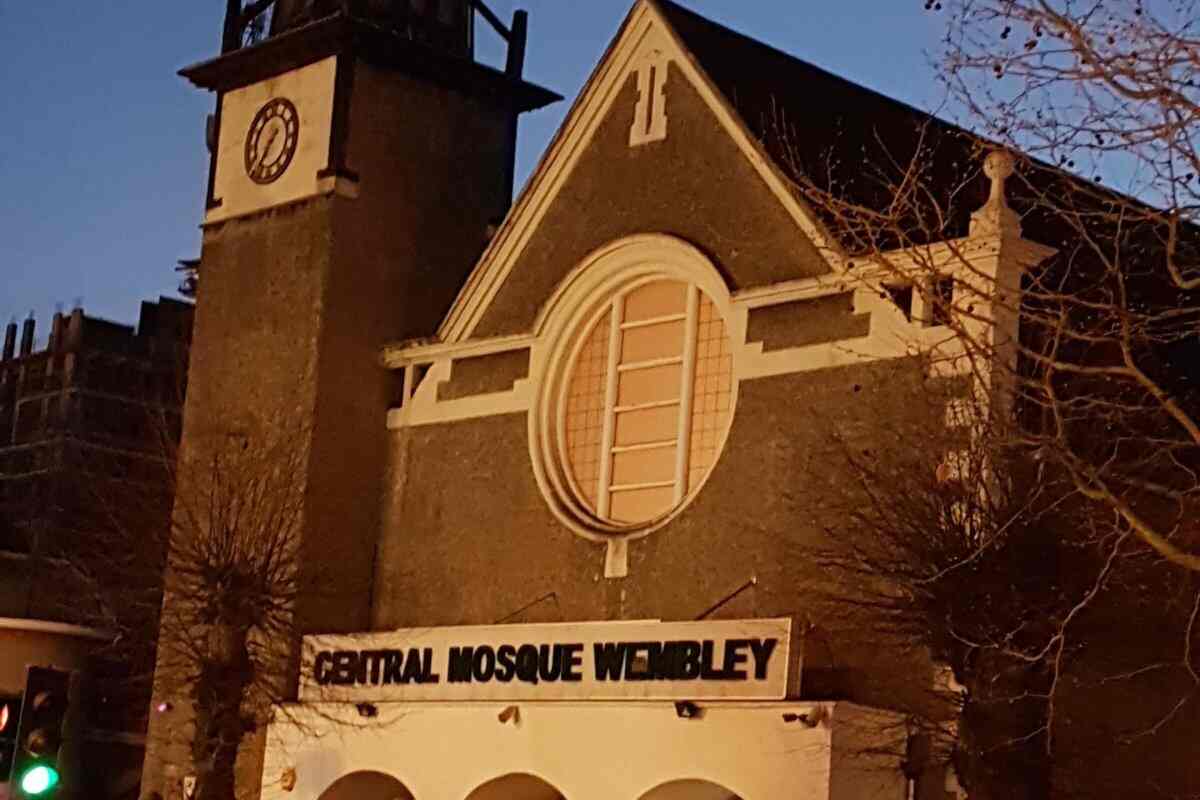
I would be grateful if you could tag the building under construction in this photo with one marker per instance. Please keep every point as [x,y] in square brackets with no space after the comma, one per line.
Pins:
[87,431]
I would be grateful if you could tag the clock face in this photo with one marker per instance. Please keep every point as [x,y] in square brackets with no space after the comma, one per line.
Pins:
[271,141]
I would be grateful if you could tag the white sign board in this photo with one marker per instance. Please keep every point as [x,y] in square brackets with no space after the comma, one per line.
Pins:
[727,660]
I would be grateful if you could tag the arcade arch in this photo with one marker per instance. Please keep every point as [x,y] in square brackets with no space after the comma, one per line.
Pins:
[366,786]
[516,786]
[689,790]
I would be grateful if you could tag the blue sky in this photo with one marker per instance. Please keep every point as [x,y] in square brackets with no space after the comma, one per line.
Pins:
[102,160]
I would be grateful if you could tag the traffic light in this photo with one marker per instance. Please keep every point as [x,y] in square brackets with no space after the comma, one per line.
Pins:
[10,715]
[36,772]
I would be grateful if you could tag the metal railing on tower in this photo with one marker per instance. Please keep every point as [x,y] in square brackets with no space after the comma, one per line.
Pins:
[446,25]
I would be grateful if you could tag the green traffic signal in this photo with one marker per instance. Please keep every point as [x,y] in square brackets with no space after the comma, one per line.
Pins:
[35,768]
[38,780]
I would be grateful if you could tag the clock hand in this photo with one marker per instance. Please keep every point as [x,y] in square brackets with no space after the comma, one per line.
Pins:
[266,149]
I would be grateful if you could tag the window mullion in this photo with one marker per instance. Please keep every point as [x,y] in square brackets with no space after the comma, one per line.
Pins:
[608,434]
[687,377]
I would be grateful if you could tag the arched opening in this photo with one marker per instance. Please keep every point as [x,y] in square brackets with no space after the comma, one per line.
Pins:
[517,786]
[366,786]
[689,790]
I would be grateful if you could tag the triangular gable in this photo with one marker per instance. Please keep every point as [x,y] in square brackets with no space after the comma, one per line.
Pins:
[646,31]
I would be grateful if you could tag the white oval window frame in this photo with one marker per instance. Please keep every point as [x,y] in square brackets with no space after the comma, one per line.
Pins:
[560,330]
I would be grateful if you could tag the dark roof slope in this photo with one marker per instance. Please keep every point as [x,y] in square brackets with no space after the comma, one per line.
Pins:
[853,142]
[815,124]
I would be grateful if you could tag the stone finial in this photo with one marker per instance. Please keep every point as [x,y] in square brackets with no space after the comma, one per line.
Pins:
[996,217]
[998,166]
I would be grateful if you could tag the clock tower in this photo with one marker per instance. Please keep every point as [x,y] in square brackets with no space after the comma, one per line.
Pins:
[359,155]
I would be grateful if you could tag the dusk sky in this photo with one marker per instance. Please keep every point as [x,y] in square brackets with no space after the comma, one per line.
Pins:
[102,159]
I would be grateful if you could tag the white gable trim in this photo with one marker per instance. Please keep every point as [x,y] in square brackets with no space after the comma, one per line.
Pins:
[645,31]
[650,114]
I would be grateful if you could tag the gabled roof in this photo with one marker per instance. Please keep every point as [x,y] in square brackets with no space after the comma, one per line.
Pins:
[645,28]
[796,122]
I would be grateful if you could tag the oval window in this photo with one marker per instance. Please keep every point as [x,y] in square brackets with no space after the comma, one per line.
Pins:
[646,402]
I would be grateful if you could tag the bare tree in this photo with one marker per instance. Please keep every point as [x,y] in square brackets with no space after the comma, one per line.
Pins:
[954,539]
[1111,91]
[226,636]
[196,574]
[1107,330]
[1047,550]
[1062,572]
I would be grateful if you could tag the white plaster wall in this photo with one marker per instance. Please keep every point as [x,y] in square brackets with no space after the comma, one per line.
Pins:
[311,90]
[588,751]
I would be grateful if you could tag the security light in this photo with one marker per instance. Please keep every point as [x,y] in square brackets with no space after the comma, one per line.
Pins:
[686,709]
[809,720]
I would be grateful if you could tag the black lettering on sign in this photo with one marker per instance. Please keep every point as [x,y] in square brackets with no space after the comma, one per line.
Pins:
[688,659]
[680,660]
[527,663]
[427,673]
[460,664]
[374,667]
[483,666]
[637,661]
[662,661]
[323,668]
[667,664]
[762,649]
[707,672]
[412,667]
[345,667]
[734,658]
[572,661]
[610,660]
[392,661]
[506,663]
[550,662]
[372,661]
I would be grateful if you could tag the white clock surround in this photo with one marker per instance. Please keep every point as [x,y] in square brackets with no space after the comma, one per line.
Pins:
[311,89]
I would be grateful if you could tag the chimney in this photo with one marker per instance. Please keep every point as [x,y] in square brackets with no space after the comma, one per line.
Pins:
[10,340]
[75,328]
[56,333]
[27,336]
